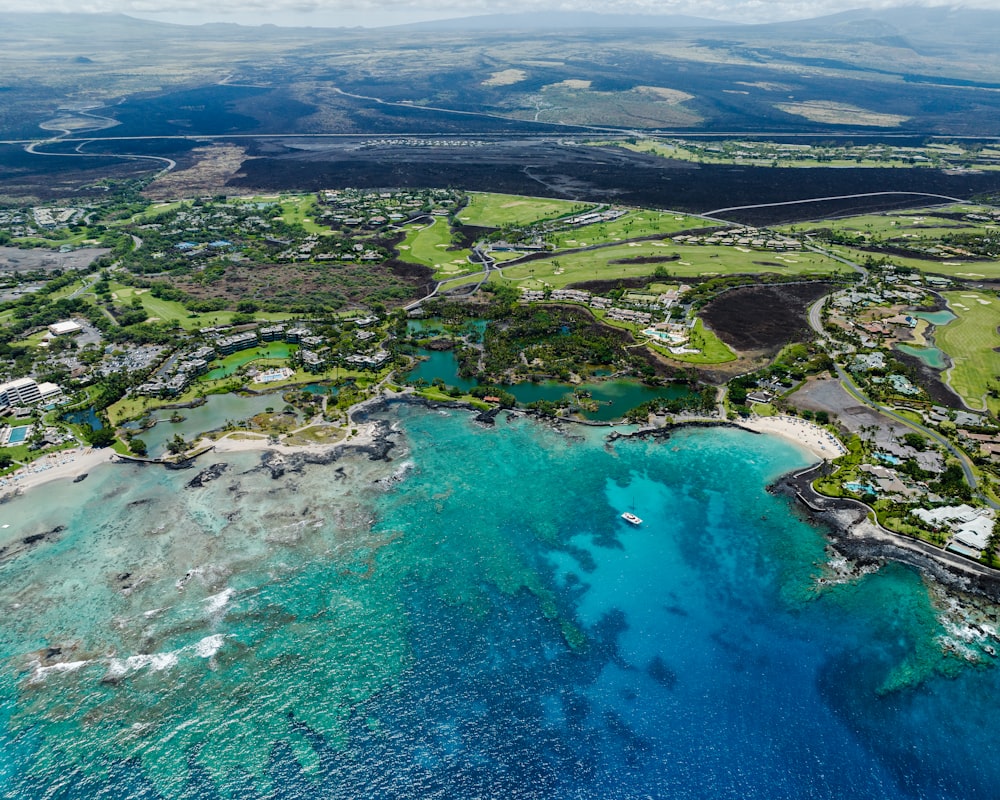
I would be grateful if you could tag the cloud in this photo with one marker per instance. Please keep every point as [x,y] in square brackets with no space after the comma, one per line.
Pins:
[375,13]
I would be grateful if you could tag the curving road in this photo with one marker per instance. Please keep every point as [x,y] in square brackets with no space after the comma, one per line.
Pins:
[849,386]
[833,197]
[847,382]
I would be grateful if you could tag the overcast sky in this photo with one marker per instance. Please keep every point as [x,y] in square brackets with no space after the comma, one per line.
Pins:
[377,13]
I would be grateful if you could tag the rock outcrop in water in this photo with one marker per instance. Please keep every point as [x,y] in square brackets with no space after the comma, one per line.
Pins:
[207,475]
[22,546]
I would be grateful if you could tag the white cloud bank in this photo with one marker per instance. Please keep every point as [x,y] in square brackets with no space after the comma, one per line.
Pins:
[377,13]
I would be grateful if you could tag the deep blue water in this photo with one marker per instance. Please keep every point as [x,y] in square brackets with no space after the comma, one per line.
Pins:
[488,626]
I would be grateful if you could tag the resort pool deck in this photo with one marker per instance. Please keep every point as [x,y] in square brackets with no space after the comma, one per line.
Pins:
[17,435]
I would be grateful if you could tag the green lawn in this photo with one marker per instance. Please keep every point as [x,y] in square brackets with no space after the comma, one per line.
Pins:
[956,267]
[173,311]
[496,210]
[267,353]
[565,268]
[681,153]
[633,225]
[155,210]
[712,349]
[921,222]
[428,245]
[970,341]
[301,211]
[66,291]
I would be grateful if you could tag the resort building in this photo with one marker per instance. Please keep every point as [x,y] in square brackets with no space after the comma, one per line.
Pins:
[239,341]
[295,335]
[65,328]
[22,392]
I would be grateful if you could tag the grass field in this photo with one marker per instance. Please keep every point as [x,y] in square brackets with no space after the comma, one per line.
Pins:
[496,210]
[970,341]
[155,210]
[694,260]
[268,353]
[957,267]
[681,153]
[75,239]
[631,226]
[428,245]
[300,211]
[921,222]
[712,349]
[172,311]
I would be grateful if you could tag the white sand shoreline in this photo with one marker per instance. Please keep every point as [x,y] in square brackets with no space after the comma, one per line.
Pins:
[67,464]
[56,466]
[811,437]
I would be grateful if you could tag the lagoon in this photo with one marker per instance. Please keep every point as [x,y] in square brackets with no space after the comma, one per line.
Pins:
[614,397]
[217,410]
[85,416]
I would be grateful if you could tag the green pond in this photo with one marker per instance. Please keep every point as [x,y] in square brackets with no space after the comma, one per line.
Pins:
[614,397]
[935,317]
[86,416]
[320,389]
[931,356]
[232,363]
[214,414]
[436,327]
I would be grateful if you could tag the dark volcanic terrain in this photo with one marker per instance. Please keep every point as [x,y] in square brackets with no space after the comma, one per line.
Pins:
[556,168]
[764,318]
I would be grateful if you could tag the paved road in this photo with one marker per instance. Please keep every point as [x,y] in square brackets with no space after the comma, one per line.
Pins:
[852,389]
[849,386]
[833,197]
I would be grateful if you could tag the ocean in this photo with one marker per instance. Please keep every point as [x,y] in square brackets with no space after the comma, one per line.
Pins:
[472,618]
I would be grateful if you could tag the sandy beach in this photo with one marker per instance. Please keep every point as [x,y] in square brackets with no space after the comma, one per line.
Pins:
[78,461]
[818,441]
[55,466]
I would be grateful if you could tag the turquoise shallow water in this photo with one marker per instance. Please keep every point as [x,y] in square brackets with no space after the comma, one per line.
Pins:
[942,317]
[931,356]
[473,618]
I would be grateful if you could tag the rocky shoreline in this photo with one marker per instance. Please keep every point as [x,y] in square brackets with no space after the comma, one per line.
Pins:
[854,536]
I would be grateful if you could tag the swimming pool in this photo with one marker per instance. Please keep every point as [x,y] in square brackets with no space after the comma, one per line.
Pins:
[18,435]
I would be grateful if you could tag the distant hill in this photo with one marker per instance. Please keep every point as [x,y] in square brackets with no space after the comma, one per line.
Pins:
[935,28]
[565,20]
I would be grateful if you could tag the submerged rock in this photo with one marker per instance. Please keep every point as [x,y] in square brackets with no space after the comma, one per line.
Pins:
[207,475]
